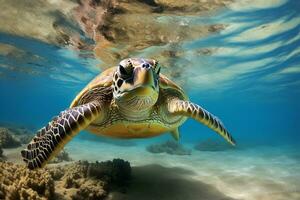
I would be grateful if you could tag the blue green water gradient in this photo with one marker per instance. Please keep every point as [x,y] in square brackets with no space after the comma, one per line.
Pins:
[251,80]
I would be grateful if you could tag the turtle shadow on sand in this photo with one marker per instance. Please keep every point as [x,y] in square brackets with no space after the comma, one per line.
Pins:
[157,182]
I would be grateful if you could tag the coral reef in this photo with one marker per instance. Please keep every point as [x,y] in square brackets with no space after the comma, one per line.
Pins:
[213,145]
[61,157]
[116,172]
[7,140]
[170,147]
[91,190]
[73,182]
[78,181]
[17,182]
[84,180]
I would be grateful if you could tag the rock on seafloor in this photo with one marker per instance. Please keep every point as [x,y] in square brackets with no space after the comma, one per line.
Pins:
[7,140]
[169,147]
[213,145]
[80,180]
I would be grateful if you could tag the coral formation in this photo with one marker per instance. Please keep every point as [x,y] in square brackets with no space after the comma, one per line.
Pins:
[17,182]
[117,171]
[73,181]
[84,180]
[61,157]
[7,140]
[78,181]
[90,190]
[213,145]
[170,147]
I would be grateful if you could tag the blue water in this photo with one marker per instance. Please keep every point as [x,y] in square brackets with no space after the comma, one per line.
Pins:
[252,86]
[248,76]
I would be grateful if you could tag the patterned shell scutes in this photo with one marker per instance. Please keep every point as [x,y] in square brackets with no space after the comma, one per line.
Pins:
[104,79]
[166,83]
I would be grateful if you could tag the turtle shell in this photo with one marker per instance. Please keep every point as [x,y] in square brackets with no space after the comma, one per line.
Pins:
[105,79]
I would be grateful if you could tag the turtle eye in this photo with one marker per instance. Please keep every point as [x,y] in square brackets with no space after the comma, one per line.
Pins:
[122,70]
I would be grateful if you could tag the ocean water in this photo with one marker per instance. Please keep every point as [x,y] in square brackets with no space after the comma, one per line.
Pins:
[249,77]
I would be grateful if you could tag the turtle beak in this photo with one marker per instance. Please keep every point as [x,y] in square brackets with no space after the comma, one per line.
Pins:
[144,77]
[142,92]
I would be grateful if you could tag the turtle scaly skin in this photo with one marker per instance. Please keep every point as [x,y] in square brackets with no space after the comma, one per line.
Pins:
[132,100]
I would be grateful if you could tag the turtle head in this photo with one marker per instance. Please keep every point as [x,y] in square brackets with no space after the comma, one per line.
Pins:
[135,84]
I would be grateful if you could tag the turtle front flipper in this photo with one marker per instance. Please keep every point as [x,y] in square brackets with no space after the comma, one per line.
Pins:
[189,109]
[52,138]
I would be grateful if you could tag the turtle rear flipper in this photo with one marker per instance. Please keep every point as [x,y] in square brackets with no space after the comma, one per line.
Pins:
[52,138]
[189,109]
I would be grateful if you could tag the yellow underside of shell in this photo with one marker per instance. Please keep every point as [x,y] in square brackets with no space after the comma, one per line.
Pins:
[131,130]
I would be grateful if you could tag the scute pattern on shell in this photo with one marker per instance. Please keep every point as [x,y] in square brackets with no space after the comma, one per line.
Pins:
[104,79]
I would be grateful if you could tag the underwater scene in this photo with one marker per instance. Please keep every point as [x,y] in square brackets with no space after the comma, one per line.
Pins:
[150,99]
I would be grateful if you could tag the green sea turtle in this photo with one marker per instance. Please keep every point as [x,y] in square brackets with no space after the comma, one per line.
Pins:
[132,100]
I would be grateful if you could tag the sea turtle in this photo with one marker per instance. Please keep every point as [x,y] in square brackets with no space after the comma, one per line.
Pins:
[131,100]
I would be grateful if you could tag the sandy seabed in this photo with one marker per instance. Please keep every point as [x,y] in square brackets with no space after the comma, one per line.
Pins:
[257,173]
